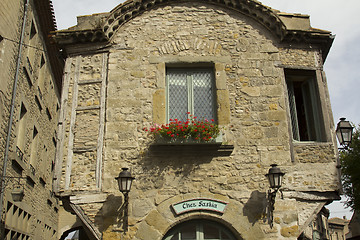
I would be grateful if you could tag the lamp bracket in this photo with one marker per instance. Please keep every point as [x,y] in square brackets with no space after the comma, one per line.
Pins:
[4,181]
[271,195]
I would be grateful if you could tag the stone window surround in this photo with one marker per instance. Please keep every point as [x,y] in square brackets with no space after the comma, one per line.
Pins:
[320,81]
[222,94]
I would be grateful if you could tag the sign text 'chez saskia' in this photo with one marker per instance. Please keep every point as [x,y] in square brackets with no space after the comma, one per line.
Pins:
[199,204]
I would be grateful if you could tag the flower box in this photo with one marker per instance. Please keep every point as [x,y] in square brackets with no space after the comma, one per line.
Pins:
[183,132]
[159,140]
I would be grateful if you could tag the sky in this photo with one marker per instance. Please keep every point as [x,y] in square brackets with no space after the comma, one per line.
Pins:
[342,19]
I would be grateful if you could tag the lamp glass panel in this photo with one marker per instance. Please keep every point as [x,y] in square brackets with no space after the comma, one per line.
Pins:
[279,180]
[346,133]
[340,137]
[128,185]
[123,186]
[271,180]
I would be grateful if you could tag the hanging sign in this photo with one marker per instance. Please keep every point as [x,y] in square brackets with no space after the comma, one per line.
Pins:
[199,204]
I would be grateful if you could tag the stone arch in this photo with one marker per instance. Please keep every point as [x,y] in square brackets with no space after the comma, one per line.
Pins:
[209,218]
[255,10]
[162,218]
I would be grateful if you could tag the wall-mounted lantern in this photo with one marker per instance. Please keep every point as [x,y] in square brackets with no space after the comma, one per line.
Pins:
[125,181]
[17,194]
[344,132]
[275,177]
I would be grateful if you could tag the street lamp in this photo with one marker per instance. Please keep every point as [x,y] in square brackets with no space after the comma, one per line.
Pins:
[124,181]
[344,132]
[17,194]
[275,177]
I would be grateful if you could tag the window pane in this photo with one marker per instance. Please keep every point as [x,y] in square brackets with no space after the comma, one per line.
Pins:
[175,237]
[188,232]
[224,236]
[304,105]
[203,94]
[178,95]
[211,232]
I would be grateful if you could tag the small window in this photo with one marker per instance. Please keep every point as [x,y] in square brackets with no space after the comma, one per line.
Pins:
[42,61]
[32,30]
[38,103]
[304,104]
[42,182]
[28,77]
[48,114]
[190,90]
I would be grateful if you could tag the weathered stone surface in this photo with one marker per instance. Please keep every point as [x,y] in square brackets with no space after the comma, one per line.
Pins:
[251,108]
[30,89]
[289,231]
[146,232]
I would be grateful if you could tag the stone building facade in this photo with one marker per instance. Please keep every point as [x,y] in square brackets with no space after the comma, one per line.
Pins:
[267,92]
[30,86]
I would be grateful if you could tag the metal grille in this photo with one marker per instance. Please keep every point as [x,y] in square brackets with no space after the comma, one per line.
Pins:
[190,91]
[203,95]
[177,95]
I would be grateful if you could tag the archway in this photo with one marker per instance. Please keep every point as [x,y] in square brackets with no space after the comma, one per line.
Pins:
[199,229]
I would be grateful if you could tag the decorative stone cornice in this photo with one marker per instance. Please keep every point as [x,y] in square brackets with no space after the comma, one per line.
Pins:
[65,37]
[132,8]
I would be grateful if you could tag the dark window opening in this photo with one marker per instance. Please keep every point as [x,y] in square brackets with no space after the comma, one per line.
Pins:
[32,30]
[304,104]
[48,114]
[38,103]
[42,181]
[35,132]
[30,182]
[42,62]
[27,76]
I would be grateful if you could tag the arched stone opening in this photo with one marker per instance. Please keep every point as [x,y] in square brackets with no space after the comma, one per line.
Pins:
[200,229]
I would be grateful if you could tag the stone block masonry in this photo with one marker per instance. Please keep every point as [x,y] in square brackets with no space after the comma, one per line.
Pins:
[112,96]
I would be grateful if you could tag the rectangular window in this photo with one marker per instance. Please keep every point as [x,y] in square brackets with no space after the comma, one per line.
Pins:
[304,104]
[190,90]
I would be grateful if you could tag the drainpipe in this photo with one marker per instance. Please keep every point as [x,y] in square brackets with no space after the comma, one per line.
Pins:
[16,79]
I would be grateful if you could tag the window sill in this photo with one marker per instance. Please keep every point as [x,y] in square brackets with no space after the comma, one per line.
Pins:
[295,142]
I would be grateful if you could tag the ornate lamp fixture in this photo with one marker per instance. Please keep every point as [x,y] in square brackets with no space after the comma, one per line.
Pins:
[125,180]
[17,194]
[344,132]
[275,177]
